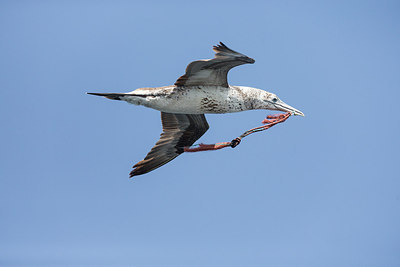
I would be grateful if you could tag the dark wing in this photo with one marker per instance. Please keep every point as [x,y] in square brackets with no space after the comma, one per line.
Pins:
[179,130]
[213,71]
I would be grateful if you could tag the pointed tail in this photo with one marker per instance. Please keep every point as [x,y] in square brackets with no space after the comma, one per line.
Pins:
[113,96]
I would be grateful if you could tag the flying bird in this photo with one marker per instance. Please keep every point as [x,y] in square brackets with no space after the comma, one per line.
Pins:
[202,89]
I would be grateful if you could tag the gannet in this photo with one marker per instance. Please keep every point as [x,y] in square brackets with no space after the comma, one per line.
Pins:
[202,89]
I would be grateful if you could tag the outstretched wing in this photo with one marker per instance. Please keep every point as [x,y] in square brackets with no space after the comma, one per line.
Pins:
[179,130]
[213,71]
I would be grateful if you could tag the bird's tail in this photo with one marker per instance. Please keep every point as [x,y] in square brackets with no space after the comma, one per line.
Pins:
[113,96]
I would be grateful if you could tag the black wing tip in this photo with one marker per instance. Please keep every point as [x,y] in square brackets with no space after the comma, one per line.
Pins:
[140,171]
[221,47]
[141,168]
[250,60]
[136,172]
[221,44]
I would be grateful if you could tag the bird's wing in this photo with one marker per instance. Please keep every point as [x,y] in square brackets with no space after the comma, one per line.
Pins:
[213,72]
[179,130]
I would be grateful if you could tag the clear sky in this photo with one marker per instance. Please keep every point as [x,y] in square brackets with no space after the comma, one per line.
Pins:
[323,190]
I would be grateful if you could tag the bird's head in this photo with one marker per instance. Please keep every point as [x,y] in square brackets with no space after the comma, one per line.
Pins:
[271,101]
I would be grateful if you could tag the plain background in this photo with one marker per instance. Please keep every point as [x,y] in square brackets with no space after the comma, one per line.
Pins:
[322,190]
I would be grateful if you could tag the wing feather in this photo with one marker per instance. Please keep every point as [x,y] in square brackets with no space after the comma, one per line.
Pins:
[213,72]
[179,130]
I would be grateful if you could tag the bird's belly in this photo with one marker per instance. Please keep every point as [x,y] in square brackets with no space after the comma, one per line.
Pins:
[195,100]
[198,103]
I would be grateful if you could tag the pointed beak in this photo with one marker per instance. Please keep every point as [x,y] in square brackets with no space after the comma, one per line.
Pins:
[282,106]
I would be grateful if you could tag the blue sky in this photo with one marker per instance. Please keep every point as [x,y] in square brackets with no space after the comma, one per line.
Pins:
[322,190]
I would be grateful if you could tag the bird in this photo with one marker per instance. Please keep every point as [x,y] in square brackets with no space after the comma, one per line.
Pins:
[203,89]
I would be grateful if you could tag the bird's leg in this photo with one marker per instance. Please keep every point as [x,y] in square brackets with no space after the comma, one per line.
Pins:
[270,121]
[235,142]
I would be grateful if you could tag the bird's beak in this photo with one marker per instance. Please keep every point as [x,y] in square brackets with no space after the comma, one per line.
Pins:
[282,106]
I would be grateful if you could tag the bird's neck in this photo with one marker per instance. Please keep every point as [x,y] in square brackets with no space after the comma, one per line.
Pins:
[251,96]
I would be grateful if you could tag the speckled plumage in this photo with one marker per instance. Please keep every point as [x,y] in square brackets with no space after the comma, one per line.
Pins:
[202,89]
[196,99]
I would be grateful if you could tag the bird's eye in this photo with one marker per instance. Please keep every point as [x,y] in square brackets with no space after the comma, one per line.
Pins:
[274,99]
